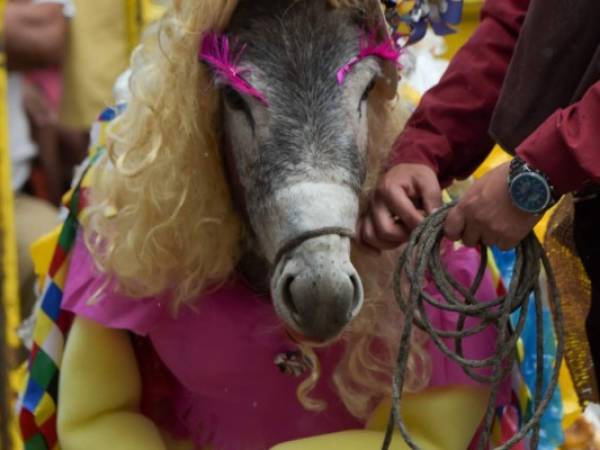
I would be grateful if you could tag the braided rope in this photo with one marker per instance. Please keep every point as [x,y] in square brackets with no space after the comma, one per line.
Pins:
[419,263]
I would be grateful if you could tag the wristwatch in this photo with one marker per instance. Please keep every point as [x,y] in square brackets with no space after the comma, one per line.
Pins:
[529,188]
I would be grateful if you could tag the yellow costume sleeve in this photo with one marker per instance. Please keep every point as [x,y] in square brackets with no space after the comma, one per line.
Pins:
[438,419]
[100,390]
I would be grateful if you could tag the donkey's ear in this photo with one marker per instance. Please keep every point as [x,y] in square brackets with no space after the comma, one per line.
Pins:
[374,19]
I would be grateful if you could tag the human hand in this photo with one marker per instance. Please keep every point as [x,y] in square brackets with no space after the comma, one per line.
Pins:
[404,195]
[486,214]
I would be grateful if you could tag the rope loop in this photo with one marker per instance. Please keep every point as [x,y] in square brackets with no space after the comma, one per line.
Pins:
[420,264]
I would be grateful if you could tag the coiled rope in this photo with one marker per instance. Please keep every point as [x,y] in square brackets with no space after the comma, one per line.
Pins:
[420,263]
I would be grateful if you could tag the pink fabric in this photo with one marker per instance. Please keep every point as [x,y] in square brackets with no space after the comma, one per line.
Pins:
[119,311]
[222,386]
[50,81]
[229,392]
[462,264]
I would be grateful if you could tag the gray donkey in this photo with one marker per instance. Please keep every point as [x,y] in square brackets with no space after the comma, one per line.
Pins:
[298,159]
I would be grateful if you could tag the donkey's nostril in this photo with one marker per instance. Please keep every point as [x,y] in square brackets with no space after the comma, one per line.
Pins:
[317,300]
[288,298]
[358,296]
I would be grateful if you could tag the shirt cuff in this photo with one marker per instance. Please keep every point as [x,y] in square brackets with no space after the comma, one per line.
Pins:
[408,155]
[548,151]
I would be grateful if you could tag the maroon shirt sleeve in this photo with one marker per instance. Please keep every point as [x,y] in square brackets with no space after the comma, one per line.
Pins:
[566,146]
[449,129]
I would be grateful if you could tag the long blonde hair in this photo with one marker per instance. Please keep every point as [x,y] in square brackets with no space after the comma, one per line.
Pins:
[161,218]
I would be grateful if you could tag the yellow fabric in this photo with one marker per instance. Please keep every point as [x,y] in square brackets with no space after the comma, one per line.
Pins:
[496,157]
[103,34]
[571,408]
[407,93]
[100,390]
[139,14]
[42,250]
[98,54]
[438,419]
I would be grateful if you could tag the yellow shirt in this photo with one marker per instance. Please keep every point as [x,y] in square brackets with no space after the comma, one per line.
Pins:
[97,55]
[103,33]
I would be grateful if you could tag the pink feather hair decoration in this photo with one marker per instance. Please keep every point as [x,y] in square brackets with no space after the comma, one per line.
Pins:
[386,50]
[217,51]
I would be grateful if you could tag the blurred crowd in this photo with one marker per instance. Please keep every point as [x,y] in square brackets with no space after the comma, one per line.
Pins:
[63,57]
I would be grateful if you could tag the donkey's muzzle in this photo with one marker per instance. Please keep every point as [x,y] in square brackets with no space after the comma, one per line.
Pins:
[317,291]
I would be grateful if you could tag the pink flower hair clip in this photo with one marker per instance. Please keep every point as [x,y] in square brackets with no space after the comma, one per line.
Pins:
[386,50]
[223,59]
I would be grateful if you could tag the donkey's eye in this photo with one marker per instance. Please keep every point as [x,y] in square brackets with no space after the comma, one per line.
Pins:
[236,102]
[368,90]
[234,99]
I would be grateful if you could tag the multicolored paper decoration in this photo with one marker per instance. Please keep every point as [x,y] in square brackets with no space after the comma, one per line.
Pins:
[409,19]
[38,403]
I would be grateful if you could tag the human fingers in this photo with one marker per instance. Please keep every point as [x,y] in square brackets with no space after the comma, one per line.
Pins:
[402,207]
[387,228]
[430,191]
[360,225]
[454,224]
[368,237]
[471,236]
[502,242]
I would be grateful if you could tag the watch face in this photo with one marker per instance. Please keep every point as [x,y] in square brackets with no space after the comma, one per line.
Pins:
[530,192]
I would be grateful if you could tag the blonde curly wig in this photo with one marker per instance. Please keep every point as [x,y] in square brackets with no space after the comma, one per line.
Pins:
[161,218]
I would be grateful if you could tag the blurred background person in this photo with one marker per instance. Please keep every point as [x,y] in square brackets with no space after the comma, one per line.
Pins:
[63,57]
[35,36]
[63,67]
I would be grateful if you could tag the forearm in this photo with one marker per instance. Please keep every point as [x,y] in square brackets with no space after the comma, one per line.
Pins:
[449,129]
[35,35]
[100,390]
[566,145]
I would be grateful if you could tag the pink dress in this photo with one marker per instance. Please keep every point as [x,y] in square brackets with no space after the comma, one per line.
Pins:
[209,373]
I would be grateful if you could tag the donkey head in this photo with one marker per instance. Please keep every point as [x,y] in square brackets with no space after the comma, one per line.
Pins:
[295,138]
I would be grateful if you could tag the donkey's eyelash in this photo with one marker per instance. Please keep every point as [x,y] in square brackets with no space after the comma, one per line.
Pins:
[224,57]
[234,99]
